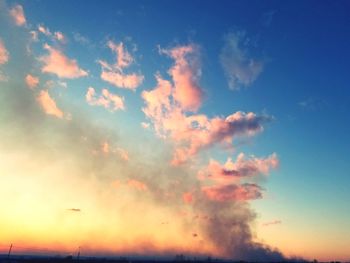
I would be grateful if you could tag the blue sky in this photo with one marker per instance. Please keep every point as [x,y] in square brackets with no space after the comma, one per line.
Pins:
[292,59]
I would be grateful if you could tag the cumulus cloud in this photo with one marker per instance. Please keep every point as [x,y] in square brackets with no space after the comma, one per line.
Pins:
[57,63]
[240,68]
[31,81]
[107,99]
[114,73]
[241,168]
[48,104]
[191,133]
[4,54]
[185,73]
[17,15]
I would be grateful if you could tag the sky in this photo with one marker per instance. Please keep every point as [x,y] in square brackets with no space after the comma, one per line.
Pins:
[214,128]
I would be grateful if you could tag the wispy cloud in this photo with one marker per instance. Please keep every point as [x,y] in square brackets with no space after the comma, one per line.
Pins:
[57,63]
[107,99]
[114,73]
[240,68]
[271,223]
[17,15]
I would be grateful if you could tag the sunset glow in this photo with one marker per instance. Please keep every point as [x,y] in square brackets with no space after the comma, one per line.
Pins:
[159,128]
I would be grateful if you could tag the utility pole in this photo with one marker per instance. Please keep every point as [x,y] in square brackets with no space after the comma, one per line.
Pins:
[8,255]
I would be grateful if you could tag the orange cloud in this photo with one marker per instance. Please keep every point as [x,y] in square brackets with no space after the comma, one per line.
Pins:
[57,63]
[123,154]
[107,99]
[137,185]
[48,104]
[31,81]
[4,54]
[187,197]
[114,74]
[17,15]
[233,192]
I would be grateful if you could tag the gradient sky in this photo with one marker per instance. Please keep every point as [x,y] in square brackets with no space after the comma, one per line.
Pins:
[158,127]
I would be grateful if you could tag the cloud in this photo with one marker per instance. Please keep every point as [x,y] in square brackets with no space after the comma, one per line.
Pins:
[118,79]
[17,15]
[187,197]
[145,125]
[123,153]
[81,39]
[240,68]
[191,133]
[60,37]
[57,63]
[243,167]
[31,81]
[48,104]
[4,54]
[233,192]
[108,100]
[114,74]
[185,73]
[44,30]
[74,209]
[313,104]
[3,77]
[274,222]
[138,185]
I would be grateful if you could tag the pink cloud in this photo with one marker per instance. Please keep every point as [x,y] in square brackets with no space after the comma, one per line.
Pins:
[114,74]
[48,104]
[127,81]
[57,63]
[17,15]
[243,167]
[107,99]
[233,192]
[60,37]
[138,185]
[185,73]
[123,57]
[44,30]
[31,81]
[191,133]
[4,54]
